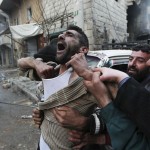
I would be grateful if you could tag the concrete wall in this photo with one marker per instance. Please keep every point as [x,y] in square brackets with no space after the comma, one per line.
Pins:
[110,21]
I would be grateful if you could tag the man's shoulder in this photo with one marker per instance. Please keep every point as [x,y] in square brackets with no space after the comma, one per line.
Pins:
[146,83]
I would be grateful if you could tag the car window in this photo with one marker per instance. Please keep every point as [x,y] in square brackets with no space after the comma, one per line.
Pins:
[121,67]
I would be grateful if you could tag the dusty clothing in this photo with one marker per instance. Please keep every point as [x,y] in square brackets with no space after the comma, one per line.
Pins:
[74,95]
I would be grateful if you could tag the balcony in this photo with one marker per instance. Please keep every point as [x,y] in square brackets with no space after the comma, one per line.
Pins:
[5,40]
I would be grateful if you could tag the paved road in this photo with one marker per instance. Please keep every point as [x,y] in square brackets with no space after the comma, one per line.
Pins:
[16,133]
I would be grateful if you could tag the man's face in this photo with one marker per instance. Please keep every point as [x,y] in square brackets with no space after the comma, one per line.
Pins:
[137,67]
[68,45]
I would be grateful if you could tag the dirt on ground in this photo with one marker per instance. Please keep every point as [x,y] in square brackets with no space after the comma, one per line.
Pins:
[18,131]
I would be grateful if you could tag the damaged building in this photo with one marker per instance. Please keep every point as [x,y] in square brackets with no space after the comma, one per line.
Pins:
[107,23]
[23,33]
[139,21]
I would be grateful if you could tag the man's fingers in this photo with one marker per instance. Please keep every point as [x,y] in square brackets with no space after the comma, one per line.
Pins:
[87,83]
[79,146]
[36,111]
[55,113]
[37,119]
[76,134]
[96,76]
[47,73]
[62,108]
[37,123]
[74,140]
[36,115]
[97,69]
[68,63]
[58,116]
[38,126]
[75,57]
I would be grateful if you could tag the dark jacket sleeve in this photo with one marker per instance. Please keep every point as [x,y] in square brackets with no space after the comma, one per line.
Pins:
[123,132]
[134,101]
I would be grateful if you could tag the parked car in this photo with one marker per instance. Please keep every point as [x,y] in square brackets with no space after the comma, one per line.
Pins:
[117,59]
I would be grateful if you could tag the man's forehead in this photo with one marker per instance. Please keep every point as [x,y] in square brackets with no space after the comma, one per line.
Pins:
[72,31]
[140,54]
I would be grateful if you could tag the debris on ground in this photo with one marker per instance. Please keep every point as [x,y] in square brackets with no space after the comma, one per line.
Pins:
[6,84]
[26,116]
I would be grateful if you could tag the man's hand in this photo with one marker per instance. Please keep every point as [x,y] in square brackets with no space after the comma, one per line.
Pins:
[111,75]
[111,78]
[43,70]
[70,118]
[81,139]
[98,89]
[79,64]
[38,117]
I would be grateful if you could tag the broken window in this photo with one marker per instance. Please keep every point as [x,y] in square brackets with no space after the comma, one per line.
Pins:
[29,13]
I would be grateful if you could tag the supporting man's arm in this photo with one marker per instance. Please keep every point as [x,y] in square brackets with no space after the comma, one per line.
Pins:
[42,69]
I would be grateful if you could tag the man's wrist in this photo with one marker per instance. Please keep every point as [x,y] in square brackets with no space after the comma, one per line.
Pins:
[87,74]
[121,77]
[104,102]
[36,63]
[84,122]
[122,82]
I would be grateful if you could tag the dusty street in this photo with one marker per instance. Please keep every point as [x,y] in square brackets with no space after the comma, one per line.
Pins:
[16,133]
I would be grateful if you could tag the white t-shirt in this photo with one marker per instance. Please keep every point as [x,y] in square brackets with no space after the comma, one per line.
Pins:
[51,86]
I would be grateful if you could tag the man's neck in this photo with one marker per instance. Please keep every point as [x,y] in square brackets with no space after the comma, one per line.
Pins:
[73,76]
[63,68]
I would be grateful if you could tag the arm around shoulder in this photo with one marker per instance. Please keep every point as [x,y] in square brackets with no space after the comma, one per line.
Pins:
[26,63]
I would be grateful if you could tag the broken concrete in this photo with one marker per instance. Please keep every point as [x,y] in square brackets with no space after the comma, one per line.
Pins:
[26,86]
[9,78]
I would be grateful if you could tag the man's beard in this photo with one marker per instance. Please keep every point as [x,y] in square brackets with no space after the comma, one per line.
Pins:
[67,55]
[63,59]
[139,75]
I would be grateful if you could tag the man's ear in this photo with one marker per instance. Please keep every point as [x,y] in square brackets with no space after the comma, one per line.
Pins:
[84,50]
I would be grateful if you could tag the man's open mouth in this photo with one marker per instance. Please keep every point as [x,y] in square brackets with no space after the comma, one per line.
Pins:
[60,46]
[132,71]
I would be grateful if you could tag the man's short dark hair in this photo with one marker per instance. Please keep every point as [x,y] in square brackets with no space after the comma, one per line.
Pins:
[142,47]
[82,38]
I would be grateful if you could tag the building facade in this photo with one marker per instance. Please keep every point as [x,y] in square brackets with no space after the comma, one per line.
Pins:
[21,12]
[104,21]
